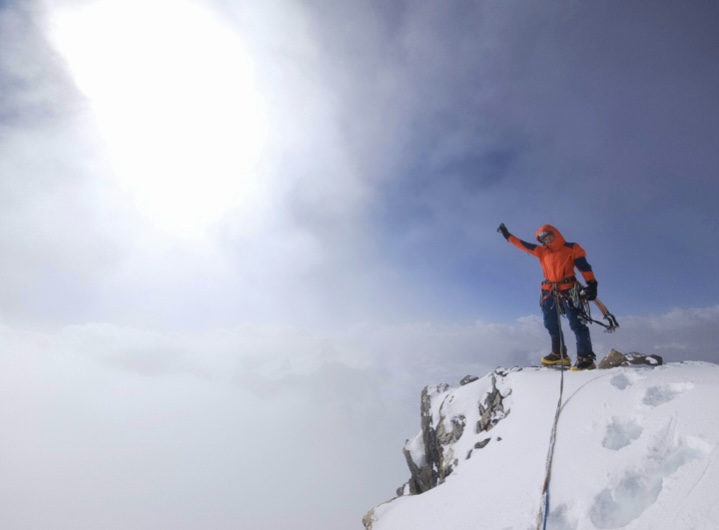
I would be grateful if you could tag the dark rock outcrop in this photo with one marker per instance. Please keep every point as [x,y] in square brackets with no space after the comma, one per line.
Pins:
[492,410]
[616,358]
[431,456]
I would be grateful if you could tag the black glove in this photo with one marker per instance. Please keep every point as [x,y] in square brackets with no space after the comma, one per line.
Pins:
[590,291]
[504,231]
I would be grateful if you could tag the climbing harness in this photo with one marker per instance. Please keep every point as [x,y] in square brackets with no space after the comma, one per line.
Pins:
[569,280]
[544,506]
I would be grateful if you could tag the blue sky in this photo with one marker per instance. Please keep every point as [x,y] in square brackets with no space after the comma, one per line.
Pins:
[254,215]
[598,122]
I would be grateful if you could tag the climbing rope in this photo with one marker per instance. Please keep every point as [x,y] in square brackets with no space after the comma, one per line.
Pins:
[544,506]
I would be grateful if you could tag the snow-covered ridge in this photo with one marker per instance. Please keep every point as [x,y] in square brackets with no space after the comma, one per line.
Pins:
[636,448]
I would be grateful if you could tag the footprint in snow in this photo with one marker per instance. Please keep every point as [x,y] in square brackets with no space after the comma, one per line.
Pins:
[658,395]
[620,434]
[621,381]
[628,496]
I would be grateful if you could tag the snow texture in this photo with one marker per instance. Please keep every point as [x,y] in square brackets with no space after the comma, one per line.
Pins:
[636,449]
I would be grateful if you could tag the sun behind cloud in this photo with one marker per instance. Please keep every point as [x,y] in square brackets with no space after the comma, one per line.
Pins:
[174,96]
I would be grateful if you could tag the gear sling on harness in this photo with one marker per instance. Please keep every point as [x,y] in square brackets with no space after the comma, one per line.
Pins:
[574,296]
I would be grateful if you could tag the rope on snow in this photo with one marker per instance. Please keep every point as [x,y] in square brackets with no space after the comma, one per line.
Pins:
[544,506]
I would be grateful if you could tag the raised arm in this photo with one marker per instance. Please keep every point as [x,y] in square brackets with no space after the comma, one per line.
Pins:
[521,245]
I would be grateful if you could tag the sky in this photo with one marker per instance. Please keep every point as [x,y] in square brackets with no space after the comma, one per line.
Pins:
[226,224]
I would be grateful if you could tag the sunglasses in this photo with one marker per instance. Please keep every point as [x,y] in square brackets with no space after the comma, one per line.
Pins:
[543,237]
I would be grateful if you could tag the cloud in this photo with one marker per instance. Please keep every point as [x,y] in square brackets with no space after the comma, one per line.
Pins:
[83,249]
[53,232]
[397,146]
[80,248]
[676,335]
[251,425]
[34,87]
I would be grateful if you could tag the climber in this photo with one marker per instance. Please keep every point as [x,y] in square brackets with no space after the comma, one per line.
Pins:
[559,259]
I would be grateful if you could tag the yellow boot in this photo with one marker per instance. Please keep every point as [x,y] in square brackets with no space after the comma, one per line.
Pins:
[554,359]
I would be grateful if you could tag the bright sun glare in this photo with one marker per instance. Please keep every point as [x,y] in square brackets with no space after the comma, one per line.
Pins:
[173,93]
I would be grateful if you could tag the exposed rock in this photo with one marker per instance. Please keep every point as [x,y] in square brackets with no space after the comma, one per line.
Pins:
[445,437]
[492,410]
[639,358]
[483,443]
[468,379]
[431,455]
[613,359]
[369,519]
[422,478]
[426,468]
[616,358]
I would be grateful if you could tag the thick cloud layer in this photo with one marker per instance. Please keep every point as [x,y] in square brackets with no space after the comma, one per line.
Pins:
[262,426]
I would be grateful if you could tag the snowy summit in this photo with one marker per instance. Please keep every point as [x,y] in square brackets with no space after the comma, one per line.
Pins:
[635,449]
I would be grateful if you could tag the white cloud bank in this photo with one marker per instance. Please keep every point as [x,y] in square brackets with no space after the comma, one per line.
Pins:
[256,426]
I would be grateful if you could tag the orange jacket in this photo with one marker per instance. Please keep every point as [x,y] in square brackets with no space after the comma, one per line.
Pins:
[558,259]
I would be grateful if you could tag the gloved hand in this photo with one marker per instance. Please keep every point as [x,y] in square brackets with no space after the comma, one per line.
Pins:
[590,291]
[504,231]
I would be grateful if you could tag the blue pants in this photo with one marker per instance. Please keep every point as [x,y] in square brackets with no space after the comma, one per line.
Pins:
[551,322]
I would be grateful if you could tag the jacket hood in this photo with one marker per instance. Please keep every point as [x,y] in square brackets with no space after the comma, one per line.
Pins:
[558,238]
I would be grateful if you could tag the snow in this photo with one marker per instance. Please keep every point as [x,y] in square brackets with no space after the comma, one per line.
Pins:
[416,449]
[636,449]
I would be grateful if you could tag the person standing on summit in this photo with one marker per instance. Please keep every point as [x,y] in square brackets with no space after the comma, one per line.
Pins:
[559,259]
